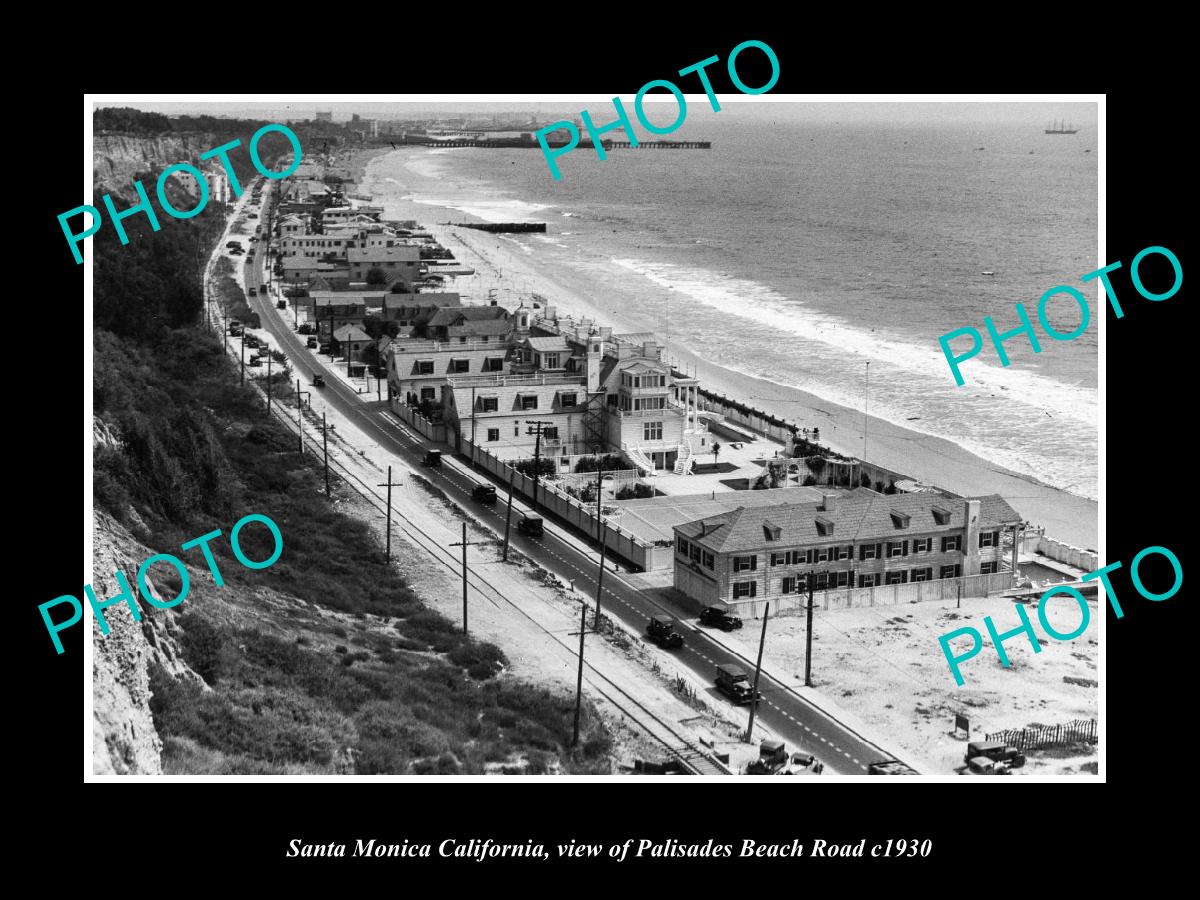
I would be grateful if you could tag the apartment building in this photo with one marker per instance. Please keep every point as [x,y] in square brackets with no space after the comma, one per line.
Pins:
[497,409]
[861,539]
[399,262]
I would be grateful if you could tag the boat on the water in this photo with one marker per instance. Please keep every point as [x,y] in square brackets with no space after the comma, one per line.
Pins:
[1061,128]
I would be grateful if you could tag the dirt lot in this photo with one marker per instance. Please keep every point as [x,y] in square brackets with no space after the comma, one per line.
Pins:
[882,670]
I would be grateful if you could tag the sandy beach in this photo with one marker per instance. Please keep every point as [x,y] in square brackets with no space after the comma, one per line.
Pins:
[504,265]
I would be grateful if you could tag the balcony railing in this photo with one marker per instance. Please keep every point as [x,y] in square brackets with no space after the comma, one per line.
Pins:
[671,410]
[506,380]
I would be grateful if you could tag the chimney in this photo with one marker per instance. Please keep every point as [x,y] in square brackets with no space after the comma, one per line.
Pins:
[605,332]
[970,548]
[623,350]
[829,502]
[650,349]
[592,366]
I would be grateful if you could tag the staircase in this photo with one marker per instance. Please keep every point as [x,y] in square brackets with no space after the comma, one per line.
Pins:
[639,459]
[684,460]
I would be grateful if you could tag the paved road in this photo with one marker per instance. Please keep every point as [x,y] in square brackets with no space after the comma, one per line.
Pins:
[796,721]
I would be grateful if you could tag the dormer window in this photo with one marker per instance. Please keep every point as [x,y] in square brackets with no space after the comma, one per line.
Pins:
[899,519]
[941,515]
[771,531]
[824,526]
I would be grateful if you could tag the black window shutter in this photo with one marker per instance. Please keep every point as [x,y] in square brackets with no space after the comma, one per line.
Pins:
[904,552]
[754,563]
[879,551]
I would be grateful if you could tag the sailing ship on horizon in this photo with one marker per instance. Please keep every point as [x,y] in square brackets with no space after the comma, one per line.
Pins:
[1061,128]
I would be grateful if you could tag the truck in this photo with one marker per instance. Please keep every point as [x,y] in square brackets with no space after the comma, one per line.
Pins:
[733,682]
[661,630]
[995,751]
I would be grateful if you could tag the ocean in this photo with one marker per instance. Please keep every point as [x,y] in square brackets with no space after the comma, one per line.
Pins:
[800,248]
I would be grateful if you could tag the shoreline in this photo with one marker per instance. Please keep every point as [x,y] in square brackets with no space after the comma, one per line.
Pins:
[1065,516]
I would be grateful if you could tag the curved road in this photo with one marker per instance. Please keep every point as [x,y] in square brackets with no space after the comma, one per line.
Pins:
[796,721]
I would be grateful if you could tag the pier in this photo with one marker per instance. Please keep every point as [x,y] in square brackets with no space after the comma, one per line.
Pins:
[503,227]
[526,142]
[658,145]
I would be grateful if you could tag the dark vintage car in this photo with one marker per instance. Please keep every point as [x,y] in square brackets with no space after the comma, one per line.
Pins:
[533,526]
[318,381]
[281,304]
[995,751]
[311,343]
[661,630]
[890,767]
[720,617]
[433,458]
[307,328]
[484,493]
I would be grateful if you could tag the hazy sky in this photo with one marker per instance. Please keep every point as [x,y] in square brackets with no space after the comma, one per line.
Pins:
[1034,113]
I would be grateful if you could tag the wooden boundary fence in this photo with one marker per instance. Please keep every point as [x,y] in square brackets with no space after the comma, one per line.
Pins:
[1048,735]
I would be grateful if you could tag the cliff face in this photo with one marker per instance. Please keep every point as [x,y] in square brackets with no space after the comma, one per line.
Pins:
[116,158]
[125,741]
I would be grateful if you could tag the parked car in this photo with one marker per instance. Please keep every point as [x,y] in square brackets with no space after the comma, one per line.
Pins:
[890,767]
[254,362]
[318,381]
[997,751]
[533,526]
[253,237]
[433,459]
[733,682]
[281,304]
[253,292]
[981,765]
[772,759]
[720,617]
[661,630]
[251,341]
[307,328]
[236,251]
[484,493]
[311,343]
[253,216]
[229,245]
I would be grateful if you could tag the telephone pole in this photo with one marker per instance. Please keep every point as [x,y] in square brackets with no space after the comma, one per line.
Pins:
[389,511]
[242,371]
[757,669]
[268,384]
[535,427]
[808,636]
[866,407]
[579,677]
[472,426]
[600,576]
[464,544]
[512,470]
[325,441]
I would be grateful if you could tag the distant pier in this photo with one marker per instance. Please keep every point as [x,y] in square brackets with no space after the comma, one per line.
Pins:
[504,227]
[526,142]
[657,145]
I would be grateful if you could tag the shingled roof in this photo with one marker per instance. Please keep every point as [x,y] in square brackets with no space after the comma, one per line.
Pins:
[861,515]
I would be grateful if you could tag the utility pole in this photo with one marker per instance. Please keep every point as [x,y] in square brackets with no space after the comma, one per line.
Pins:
[242,371]
[599,488]
[508,515]
[579,677]
[535,427]
[225,324]
[757,669]
[300,416]
[269,384]
[464,544]
[325,441]
[472,426]
[600,577]
[808,636]
[389,512]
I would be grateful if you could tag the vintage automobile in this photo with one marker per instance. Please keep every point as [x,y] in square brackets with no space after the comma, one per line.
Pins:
[661,630]
[318,381]
[996,751]
[433,458]
[484,493]
[720,617]
[533,526]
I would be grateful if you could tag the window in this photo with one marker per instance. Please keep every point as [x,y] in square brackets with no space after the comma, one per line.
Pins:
[841,579]
[941,516]
[867,551]
[989,568]
[788,586]
[695,552]
[951,571]
[952,543]
[529,401]
[707,559]
[550,433]
[516,429]
[925,574]
[779,559]
[460,366]
[895,577]
[613,399]
[681,545]
[823,554]
[922,545]
[493,364]
[567,400]
[868,580]
[745,589]
[489,404]
[820,581]
[493,434]
[745,563]
[424,366]
[652,431]
[427,393]
[989,538]
[897,548]
[549,360]
[462,339]
[800,557]
[844,552]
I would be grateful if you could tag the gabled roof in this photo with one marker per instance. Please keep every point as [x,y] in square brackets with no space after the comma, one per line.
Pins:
[460,314]
[492,327]
[860,515]
[640,366]
[351,333]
